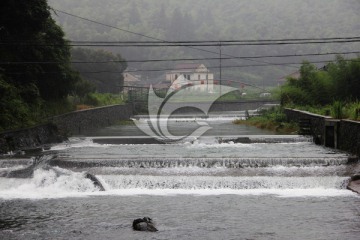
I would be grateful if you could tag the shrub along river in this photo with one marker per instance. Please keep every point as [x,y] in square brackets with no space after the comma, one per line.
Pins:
[211,187]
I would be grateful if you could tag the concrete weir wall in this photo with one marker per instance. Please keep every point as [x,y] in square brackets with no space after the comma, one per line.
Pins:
[218,106]
[330,132]
[80,122]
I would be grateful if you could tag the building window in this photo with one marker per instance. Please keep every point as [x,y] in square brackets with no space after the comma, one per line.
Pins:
[199,77]
[175,76]
[202,81]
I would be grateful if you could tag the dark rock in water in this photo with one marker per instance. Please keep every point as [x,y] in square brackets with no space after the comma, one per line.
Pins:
[144,224]
[355,177]
[354,183]
[95,181]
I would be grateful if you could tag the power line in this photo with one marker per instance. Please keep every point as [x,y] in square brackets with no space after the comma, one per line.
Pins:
[229,41]
[204,41]
[171,44]
[167,69]
[149,37]
[182,59]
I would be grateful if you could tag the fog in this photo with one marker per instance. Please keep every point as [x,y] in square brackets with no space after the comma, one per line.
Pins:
[213,20]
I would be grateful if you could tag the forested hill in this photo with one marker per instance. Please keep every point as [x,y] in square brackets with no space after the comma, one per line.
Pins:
[175,20]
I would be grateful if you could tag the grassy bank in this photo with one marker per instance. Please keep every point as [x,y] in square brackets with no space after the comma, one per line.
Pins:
[338,110]
[273,119]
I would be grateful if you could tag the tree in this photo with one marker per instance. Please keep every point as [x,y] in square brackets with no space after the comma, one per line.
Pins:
[40,61]
[338,81]
[105,73]
[31,35]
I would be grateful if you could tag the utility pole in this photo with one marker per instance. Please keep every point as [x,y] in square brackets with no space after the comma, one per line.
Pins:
[220,59]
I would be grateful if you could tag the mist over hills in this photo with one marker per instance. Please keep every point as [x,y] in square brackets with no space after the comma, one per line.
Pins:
[174,20]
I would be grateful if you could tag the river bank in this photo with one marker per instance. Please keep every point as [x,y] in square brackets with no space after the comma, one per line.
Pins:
[62,126]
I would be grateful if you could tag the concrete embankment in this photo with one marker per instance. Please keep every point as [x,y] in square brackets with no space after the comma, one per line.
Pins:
[335,133]
[81,122]
[60,127]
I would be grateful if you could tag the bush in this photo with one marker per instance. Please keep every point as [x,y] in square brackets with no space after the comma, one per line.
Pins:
[337,110]
[102,99]
[273,119]
[354,111]
[14,112]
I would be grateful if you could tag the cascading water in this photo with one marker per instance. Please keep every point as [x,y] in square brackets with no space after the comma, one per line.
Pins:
[282,163]
[231,183]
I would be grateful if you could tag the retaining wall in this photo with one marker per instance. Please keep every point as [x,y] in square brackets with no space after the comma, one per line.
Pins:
[345,135]
[81,122]
[29,138]
[74,123]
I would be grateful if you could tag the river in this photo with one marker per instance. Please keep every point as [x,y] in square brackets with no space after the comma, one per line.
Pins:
[211,187]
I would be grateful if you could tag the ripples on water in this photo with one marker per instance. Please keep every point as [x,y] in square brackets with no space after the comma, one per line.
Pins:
[183,217]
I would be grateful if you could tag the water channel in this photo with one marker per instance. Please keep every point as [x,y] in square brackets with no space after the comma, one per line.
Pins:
[211,187]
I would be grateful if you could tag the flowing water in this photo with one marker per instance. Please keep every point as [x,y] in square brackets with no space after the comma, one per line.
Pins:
[212,187]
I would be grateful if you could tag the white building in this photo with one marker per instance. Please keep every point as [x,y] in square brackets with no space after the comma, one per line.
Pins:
[197,74]
[131,80]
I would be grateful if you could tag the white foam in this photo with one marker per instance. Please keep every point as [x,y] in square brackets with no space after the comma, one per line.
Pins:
[201,145]
[28,191]
[283,193]
[78,143]
[52,183]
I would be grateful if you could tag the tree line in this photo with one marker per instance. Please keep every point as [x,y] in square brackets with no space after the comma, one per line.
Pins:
[36,70]
[336,81]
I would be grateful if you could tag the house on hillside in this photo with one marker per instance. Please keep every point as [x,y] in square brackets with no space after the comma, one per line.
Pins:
[192,74]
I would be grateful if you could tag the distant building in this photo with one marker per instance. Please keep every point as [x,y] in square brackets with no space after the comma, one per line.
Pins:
[191,74]
[131,80]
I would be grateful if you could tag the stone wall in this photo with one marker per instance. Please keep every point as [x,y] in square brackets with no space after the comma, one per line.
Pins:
[74,123]
[349,136]
[81,122]
[30,138]
[346,132]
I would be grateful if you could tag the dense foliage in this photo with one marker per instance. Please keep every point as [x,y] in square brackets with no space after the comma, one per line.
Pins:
[273,119]
[215,20]
[29,36]
[337,81]
[104,70]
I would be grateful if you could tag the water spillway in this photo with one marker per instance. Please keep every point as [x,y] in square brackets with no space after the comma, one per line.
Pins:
[210,164]
[220,159]
[225,184]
